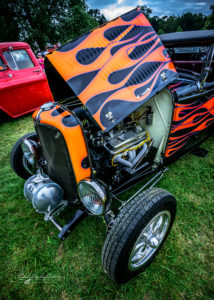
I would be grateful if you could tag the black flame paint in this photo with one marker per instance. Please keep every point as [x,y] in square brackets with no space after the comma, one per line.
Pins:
[189,119]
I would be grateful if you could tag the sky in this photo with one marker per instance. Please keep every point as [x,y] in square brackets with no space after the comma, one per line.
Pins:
[114,8]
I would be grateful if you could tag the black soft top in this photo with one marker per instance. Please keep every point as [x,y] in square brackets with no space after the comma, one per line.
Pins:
[188,37]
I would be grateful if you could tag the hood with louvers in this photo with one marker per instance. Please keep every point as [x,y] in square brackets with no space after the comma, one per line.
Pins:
[114,68]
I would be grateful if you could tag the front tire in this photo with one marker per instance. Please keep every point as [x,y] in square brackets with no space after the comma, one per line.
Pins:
[18,162]
[137,234]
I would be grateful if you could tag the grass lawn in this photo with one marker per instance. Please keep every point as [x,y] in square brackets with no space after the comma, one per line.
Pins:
[34,264]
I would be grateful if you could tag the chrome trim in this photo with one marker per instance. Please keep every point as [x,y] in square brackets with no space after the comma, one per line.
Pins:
[129,142]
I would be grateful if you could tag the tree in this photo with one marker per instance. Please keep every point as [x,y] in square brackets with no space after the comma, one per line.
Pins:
[43,21]
[95,13]
[70,26]
[210,20]
[185,22]
[9,29]
[179,29]
[146,10]
[160,31]
[154,22]
[189,21]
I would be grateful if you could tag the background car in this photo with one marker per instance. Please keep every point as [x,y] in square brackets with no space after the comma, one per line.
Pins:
[23,84]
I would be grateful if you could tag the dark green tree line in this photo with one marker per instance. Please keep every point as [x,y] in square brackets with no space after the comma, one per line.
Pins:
[185,22]
[51,21]
[46,20]
[210,20]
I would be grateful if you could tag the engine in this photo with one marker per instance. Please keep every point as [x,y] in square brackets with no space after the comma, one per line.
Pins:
[126,145]
[109,156]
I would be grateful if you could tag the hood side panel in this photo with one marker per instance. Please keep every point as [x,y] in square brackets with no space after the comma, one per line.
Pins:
[58,86]
[116,67]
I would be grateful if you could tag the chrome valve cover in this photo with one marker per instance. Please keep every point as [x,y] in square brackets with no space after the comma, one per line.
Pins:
[119,141]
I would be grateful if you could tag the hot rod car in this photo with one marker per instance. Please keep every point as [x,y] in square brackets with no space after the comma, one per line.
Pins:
[122,113]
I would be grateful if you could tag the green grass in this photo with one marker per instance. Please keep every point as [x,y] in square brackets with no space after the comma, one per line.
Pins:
[34,264]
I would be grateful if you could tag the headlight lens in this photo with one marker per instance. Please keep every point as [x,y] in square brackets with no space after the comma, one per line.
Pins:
[29,149]
[93,196]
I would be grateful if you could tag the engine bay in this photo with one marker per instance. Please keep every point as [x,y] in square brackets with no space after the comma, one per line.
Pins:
[128,144]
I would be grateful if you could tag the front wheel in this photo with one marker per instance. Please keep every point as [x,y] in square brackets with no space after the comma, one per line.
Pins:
[137,234]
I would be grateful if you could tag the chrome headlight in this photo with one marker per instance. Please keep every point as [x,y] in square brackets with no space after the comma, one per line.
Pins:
[30,149]
[93,195]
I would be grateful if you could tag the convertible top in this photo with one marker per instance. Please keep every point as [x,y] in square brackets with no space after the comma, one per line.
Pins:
[188,37]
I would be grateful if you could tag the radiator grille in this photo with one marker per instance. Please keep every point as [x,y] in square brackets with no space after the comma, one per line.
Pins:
[59,166]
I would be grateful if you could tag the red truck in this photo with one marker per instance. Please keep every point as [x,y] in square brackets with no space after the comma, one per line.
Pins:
[23,84]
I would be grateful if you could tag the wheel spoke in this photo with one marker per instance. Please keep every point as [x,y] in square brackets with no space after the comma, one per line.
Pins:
[153,242]
[140,246]
[157,224]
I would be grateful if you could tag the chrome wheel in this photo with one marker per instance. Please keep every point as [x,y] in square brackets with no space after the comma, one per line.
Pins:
[149,240]
[138,233]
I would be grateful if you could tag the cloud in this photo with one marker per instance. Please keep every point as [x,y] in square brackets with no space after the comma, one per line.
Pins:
[114,8]
[113,11]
